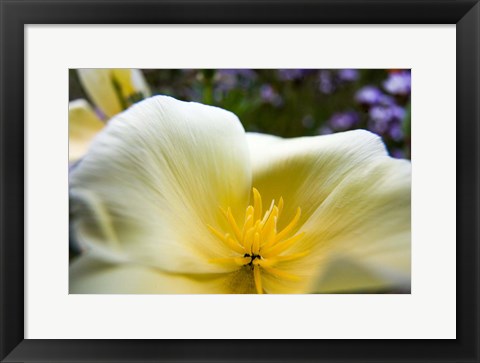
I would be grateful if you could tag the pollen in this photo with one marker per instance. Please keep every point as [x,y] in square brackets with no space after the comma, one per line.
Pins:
[257,244]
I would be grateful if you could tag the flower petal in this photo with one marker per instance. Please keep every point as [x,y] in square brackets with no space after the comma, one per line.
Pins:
[139,83]
[83,125]
[98,84]
[348,276]
[88,275]
[154,180]
[305,170]
[367,220]
[355,201]
[113,90]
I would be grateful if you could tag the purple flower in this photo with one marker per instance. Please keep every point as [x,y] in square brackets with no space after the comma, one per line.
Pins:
[398,113]
[228,79]
[386,100]
[397,153]
[348,75]
[368,95]
[380,118]
[225,80]
[325,80]
[342,121]
[243,76]
[387,118]
[290,74]
[396,132]
[269,95]
[398,83]
[378,127]
[387,113]
[380,114]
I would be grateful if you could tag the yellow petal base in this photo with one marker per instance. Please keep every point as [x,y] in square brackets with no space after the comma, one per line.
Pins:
[257,244]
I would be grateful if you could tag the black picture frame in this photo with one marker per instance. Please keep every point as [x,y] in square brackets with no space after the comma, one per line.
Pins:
[15,14]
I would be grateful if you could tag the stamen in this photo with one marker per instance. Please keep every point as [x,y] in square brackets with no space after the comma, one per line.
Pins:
[257,204]
[270,229]
[267,213]
[233,223]
[280,206]
[290,257]
[249,212]
[258,279]
[257,244]
[248,224]
[229,241]
[271,221]
[290,226]
[282,246]
[248,242]
[234,244]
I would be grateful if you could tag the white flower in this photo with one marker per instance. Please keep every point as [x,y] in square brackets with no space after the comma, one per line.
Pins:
[174,197]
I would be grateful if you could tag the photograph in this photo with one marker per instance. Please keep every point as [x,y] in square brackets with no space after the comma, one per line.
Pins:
[168,166]
[239,181]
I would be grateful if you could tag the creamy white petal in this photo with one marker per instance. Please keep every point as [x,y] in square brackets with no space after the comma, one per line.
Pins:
[98,84]
[153,180]
[259,146]
[367,220]
[304,171]
[355,201]
[345,275]
[92,276]
[83,125]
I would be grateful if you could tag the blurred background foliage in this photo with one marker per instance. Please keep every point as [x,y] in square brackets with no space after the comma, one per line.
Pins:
[296,102]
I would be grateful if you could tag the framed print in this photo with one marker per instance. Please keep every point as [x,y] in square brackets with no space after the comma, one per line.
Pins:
[240,181]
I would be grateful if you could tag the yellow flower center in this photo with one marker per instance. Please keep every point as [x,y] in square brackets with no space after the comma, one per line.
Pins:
[257,244]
